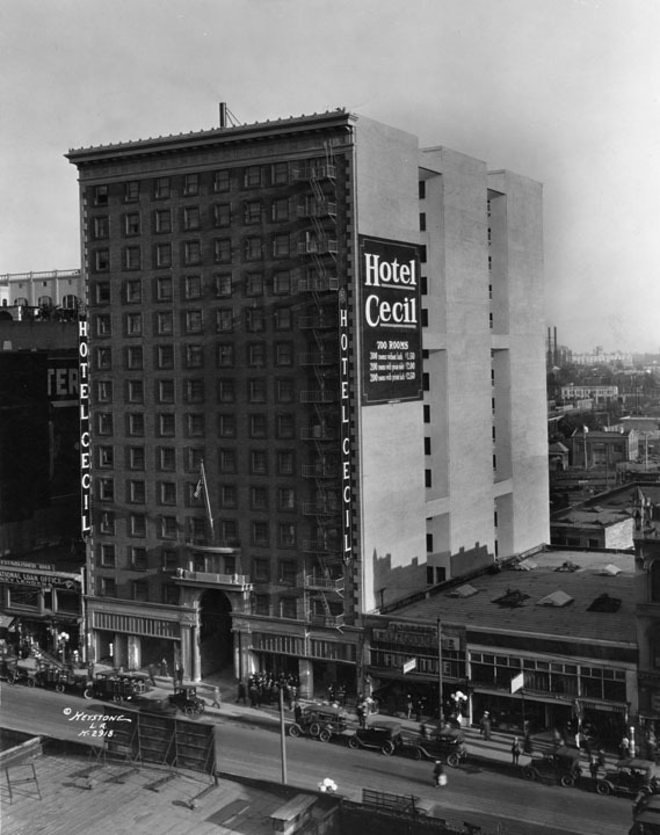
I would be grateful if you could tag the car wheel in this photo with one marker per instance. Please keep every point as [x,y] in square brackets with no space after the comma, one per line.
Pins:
[602,788]
[200,707]
[353,743]
[188,710]
[529,773]
[325,735]
[417,754]
[30,682]
[88,693]
[566,781]
[314,729]
[59,687]
[452,760]
[11,678]
[388,749]
[295,730]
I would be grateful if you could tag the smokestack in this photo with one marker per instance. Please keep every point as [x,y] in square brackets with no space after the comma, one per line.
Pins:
[223,114]
[556,353]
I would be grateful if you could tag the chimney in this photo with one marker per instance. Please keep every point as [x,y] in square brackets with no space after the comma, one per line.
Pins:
[223,114]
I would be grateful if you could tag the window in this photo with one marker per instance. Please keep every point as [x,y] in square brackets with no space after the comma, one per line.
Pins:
[107,587]
[194,425]
[252,176]
[163,255]
[102,292]
[282,283]
[194,356]
[132,258]
[161,188]
[281,246]
[133,324]
[133,291]
[286,498]
[256,354]
[104,391]
[259,498]
[254,320]
[134,357]
[223,285]
[138,527]
[227,461]
[260,533]
[191,218]
[163,221]
[228,496]
[131,191]
[105,457]
[193,321]
[257,426]
[287,572]
[132,224]
[165,391]
[285,390]
[196,529]
[257,390]
[101,260]
[166,425]
[103,325]
[258,462]
[252,211]
[279,173]
[168,527]
[135,391]
[164,323]
[100,197]
[192,252]
[135,424]
[100,228]
[261,570]
[164,289]
[285,426]
[287,534]
[221,180]
[284,353]
[282,319]
[422,189]
[107,523]
[194,391]
[226,391]
[103,359]
[254,284]
[224,320]
[165,356]
[252,249]
[225,355]
[193,460]
[422,221]
[192,287]
[280,210]
[135,458]
[285,462]
[103,423]
[108,556]
[226,426]
[166,459]
[222,250]
[191,184]
[136,492]
[167,492]
[222,214]
[106,489]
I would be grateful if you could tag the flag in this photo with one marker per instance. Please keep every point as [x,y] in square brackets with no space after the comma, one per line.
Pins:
[517,682]
[585,429]
[198,489]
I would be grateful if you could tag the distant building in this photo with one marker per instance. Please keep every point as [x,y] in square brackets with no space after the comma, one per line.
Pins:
[598,394]
[316,384]
[597,449]
[600,357]
[47,289]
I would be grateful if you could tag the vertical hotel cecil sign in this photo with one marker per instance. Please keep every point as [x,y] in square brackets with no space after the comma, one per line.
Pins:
[391,321]
[85,451]
[345,431]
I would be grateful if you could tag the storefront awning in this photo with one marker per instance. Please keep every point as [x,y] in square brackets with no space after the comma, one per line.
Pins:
[6,621]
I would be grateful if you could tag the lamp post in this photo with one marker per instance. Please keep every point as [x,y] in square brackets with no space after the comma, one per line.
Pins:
[441,715]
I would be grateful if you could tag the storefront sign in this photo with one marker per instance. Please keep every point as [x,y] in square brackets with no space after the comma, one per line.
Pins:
[33,578]
[391,321]
[85,443]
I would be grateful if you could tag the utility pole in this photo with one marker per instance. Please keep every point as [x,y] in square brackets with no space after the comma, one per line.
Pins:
[282,737]
[441,713]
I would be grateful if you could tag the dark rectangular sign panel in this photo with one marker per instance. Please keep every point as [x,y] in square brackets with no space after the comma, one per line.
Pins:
[390,310]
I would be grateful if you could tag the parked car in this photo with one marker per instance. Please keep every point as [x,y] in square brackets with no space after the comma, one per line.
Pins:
[319,721]
[187,700]
[115,687]
[562,766]
[379,735]
[447,744]
[630,777]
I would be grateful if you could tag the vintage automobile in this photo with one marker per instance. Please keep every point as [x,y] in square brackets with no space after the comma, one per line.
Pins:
[23,671]
[379,735]
[562,766]
[61,679]
[115,687]
[319,721]
[187,700]
[630,777]
[447,744]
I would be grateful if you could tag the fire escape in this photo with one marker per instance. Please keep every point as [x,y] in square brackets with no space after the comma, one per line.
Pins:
[322,578]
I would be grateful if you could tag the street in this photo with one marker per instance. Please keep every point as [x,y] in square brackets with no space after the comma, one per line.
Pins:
[251,750]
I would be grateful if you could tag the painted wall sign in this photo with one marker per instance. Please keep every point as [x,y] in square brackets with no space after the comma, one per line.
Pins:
[390,300]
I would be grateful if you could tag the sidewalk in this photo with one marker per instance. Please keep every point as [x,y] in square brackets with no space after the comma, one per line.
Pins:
[494,752]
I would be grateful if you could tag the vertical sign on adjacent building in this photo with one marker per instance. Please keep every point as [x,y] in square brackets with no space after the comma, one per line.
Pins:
[344,388]
[85,444]
[391,321]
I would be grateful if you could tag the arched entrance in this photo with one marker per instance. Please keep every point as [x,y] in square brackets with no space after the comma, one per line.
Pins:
[215,637]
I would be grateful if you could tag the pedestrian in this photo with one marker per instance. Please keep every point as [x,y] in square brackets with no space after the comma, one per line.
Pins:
[150,671]
[217,700]
[424,731]
[439,776]
[409,706]
[516,750]
[625,748]
[163,667]
[601,758]
[485,725]
[527,744]
[593,766]
[179,675]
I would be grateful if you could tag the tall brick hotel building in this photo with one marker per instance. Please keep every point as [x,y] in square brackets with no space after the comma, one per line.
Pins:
[315,364]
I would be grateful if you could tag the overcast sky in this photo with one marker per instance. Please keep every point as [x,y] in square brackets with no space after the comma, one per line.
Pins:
[562,91]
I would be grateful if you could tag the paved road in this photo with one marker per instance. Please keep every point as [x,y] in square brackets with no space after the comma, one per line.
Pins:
[249,749]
